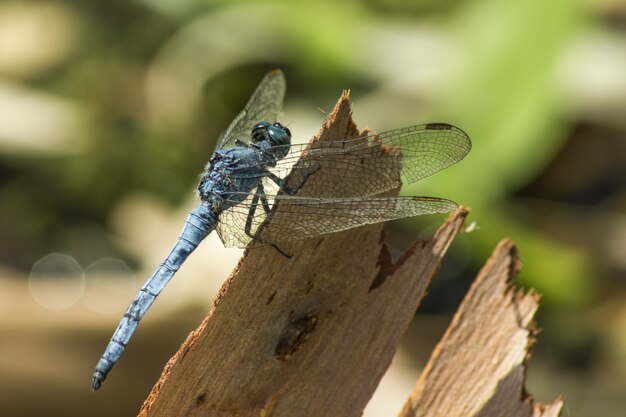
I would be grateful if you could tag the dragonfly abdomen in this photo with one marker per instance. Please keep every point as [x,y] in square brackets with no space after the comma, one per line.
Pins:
[200,222]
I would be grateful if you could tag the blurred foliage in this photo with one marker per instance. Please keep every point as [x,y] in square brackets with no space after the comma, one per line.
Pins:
[504,92]
[508,103]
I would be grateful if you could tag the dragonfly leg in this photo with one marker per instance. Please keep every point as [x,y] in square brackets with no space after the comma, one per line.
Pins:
[261,194]
[281,183]
[302,177]
[258,195]
[286,255]
[277,180]
[266,206]
[253,206]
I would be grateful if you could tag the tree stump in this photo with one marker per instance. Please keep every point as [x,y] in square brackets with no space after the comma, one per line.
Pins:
[312,334]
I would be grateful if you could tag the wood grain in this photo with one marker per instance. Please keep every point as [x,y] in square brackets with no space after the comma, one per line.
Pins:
[479,366]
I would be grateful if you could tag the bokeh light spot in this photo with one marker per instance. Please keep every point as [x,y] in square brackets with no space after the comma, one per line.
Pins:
[56,281]
[110,284]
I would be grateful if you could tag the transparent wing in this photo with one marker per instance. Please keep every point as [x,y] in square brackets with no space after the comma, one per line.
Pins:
[264,106]
[371,161]
[296,218]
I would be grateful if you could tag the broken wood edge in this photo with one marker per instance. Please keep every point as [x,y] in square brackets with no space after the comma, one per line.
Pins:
[501,268]
[440,242]
[548,410]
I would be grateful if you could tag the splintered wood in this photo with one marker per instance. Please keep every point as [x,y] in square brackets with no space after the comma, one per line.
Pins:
[479,366]
[312,333]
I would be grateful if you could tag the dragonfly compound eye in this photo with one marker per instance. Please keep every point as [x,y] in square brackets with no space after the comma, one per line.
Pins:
[283,127]
[279,135]
[279,139]
[259,132]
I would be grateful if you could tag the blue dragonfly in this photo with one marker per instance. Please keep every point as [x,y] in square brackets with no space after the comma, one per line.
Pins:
[253,191]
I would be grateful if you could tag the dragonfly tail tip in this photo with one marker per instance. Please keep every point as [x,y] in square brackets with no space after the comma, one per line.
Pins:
[96,381]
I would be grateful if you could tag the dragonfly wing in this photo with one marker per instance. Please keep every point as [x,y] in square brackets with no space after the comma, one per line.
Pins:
[427,149]
[296,218]
[373,161]
[264,106]
[231,225]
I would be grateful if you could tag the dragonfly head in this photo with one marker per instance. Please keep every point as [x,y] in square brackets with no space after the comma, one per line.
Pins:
[274,138]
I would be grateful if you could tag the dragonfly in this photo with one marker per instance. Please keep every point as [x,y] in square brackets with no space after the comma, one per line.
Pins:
[253,190]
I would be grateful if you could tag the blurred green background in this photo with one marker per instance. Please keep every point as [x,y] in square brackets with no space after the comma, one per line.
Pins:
[109,111]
